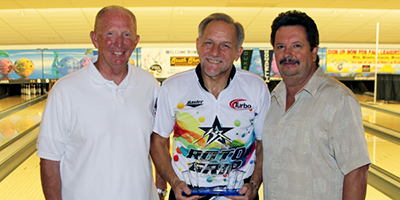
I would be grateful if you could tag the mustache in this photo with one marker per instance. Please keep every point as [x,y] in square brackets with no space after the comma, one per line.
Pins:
[289,60]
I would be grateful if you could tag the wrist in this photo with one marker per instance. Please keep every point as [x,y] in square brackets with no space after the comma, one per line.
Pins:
[162,192]
[254,185]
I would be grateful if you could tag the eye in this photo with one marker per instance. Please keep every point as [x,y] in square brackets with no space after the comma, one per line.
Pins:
[226,46]
[279,47]
[127,35]
[297,46]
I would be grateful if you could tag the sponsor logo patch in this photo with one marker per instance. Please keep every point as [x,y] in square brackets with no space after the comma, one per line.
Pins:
[240,104]
[194,103]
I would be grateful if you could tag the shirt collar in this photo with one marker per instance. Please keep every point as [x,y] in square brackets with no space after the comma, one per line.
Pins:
[98,79]
[201,81]
[311,86]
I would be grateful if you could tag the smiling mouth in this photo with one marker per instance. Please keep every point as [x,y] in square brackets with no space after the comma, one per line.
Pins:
[214,61]
[117,53]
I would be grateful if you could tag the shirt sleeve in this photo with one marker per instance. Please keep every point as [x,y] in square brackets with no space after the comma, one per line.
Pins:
[53,136]
[347,136]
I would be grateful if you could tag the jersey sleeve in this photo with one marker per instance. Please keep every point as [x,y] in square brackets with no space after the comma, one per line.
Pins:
[165,115]
[262,109]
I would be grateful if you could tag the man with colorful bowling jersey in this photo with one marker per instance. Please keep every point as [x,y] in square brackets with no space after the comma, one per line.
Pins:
[215,113]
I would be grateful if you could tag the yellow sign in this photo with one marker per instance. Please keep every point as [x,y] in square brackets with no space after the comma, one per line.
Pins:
[184,61]
[357,61]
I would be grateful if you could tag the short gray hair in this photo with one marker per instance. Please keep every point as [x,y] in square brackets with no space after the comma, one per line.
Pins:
[115,9]
[226,18]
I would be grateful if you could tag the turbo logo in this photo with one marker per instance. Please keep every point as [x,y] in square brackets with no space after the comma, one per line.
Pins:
[239,104]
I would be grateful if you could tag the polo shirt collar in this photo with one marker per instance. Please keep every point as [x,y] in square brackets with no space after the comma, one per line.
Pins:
[98,79]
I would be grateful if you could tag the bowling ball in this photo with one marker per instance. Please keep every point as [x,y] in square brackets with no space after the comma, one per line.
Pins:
[67,65]
[83,62]
[24,124]
[6,67]
[24,67]
[7,127]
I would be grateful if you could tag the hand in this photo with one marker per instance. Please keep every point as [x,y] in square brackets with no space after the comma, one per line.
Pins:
[182,187]
[249,191]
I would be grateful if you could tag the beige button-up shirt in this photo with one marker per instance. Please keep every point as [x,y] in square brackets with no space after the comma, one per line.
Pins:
[309,148]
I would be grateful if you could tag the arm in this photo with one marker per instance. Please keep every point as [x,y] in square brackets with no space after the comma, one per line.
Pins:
[160,182]
[51,179]
[355,183]
[256,178]
[162,161]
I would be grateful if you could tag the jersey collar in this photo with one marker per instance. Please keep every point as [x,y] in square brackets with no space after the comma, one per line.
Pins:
[201,81]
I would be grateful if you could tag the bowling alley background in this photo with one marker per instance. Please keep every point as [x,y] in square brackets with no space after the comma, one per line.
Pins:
[30,65]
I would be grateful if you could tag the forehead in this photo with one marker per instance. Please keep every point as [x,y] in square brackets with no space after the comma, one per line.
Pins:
[286,33]
[113,18]
[220,29]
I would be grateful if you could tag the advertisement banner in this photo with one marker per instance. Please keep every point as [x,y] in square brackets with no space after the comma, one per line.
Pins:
[360,63]
[20,65]
[255,60]
[164,62]
[60,62]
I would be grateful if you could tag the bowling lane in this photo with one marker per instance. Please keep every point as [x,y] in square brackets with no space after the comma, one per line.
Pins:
[23,182]
[12,101]
[384,154]
[18,122]
[381,118]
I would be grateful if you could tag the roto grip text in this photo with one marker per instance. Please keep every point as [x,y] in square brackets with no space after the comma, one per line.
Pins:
[220,167]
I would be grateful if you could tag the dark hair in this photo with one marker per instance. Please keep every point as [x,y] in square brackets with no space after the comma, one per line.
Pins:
[115,9]
[297,18]
[226,18]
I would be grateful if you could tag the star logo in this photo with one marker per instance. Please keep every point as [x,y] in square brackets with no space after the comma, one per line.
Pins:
[216,133]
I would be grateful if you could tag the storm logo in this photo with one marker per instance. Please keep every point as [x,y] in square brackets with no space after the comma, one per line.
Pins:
[216,133]
[239,104]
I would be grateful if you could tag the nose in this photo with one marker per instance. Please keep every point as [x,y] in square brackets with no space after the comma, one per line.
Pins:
[215,51]
[118,41]
[288,52]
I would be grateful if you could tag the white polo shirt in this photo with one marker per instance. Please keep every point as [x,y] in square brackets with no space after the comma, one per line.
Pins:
[101,134]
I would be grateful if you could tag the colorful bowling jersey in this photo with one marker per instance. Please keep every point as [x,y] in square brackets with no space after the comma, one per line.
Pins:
[213,139]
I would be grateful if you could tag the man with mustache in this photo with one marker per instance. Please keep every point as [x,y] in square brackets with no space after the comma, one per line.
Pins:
[313,136]
[216,113]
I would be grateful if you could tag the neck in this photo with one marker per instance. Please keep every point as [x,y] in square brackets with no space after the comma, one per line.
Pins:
[115,74]
[215,85]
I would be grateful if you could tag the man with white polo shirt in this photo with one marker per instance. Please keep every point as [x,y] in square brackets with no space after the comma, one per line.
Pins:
[94,137]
